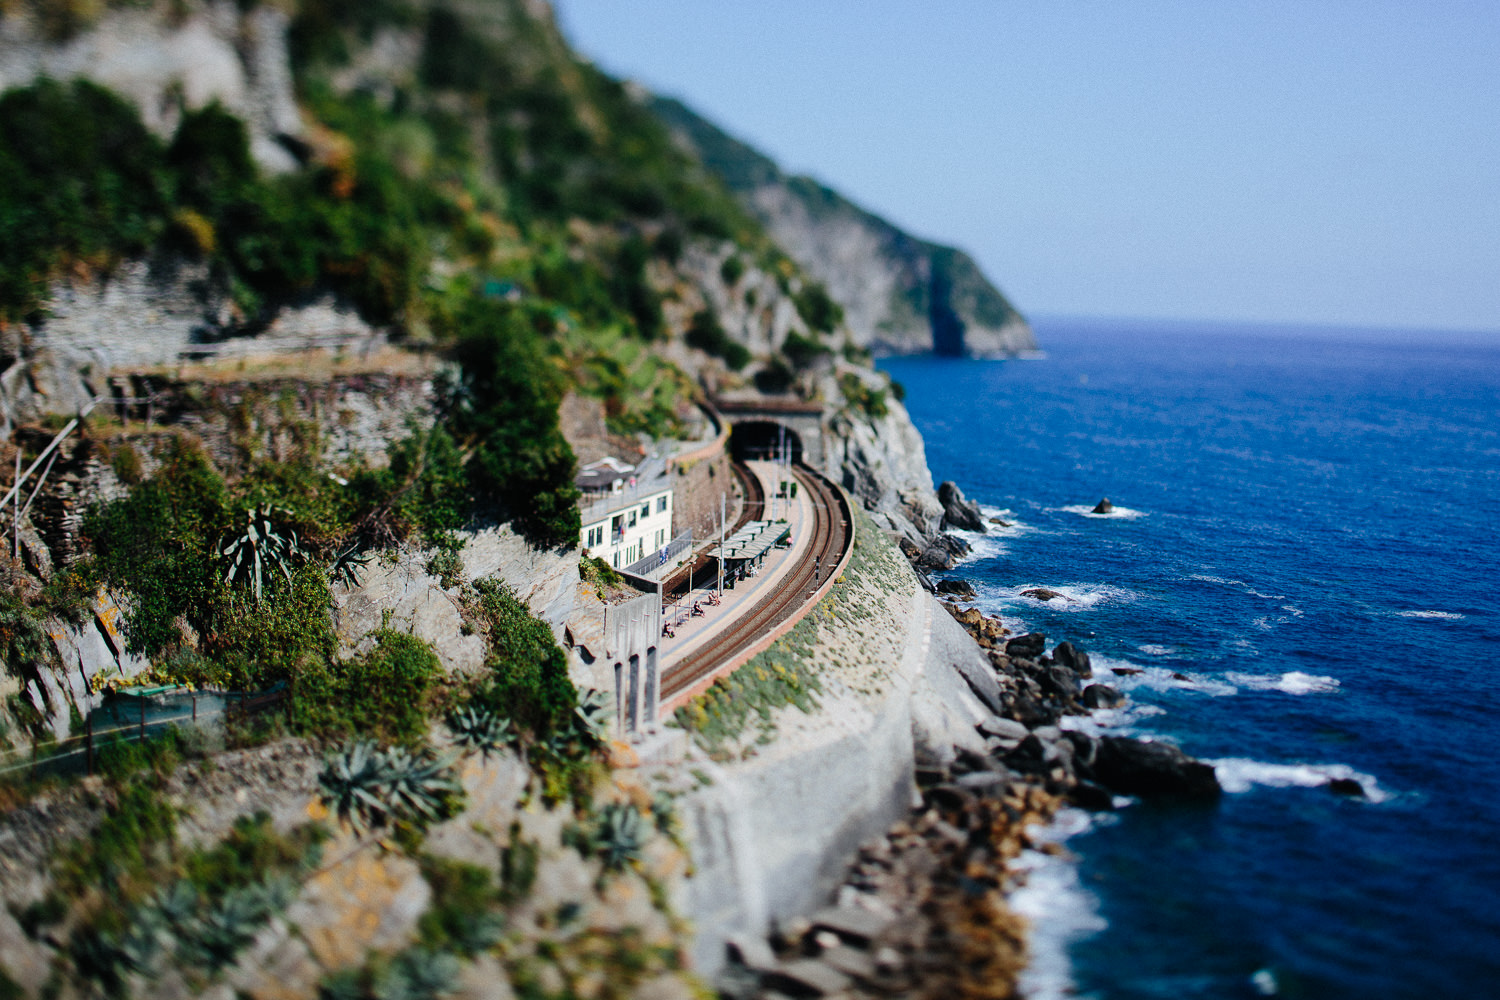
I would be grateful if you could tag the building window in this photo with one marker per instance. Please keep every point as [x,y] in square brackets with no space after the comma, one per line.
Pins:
[645,511]
[632,519]
[661,505]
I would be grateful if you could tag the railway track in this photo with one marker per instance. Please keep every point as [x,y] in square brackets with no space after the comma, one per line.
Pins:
[753,509]
[830,533]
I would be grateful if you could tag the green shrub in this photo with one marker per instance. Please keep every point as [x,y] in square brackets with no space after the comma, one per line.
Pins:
[866,399]
[23,638]
[81,181]
[251,851]
[817,308]
[388,693]
[596,573]
[507,406]
[136,832]
[775,378]
[528,681]
[276,636]
[732,270]
[706,334]
[463,915]
[157,543]
[803,352]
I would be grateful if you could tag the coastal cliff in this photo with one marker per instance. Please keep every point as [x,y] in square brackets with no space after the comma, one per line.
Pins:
[900,294]
[286,386]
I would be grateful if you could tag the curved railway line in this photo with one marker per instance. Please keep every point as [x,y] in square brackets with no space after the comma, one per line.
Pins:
[753,509]
[830,537]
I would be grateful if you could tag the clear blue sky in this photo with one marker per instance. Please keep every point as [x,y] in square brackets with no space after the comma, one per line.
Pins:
[1306,162]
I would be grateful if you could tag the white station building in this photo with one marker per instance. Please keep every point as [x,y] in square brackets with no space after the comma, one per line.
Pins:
[624,520]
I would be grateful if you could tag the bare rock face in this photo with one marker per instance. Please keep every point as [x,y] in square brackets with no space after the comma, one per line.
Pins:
[216,52]
[412,596]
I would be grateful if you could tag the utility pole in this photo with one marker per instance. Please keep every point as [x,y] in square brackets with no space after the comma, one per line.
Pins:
[721,544]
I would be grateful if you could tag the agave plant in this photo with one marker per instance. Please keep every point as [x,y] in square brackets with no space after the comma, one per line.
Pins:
[261,547]
[591,717]
[352,784]
[620,835]
[217,934]
[476,728]
[419,785]
[369,787]
[417,974]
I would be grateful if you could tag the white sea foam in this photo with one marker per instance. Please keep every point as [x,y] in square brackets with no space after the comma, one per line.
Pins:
[990,543]
[1293,682]
[980,547]
[1152,649]
[1118,514]
[1061,912]
[1072,597]
[1237,585]
[1111,721]
[1238,774]
[1157,678]
[1264,982]
[1447,616]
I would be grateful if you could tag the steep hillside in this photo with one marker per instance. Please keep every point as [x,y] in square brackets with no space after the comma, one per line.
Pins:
[900,294]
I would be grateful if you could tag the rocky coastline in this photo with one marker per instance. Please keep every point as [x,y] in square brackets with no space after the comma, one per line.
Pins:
[923,909]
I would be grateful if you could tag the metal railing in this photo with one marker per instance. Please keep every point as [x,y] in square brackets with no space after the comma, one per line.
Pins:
[654,561]
[79,754]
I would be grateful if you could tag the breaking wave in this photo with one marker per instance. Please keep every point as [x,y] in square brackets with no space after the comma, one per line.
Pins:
[1117,514]
[1238,774]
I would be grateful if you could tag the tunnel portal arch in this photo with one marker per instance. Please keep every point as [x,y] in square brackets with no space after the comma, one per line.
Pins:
[760,439]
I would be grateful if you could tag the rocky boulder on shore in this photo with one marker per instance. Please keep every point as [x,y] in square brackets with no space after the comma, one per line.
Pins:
[958,511]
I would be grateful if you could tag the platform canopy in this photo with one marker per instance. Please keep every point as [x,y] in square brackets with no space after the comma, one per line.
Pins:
[752,541]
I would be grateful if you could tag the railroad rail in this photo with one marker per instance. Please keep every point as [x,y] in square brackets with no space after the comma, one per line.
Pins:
[757,626]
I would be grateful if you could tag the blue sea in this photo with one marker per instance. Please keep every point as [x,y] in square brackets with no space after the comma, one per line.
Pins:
[1302,566]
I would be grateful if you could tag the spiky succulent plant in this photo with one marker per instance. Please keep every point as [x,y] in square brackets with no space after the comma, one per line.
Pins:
[369,787]
[477,728]
[419,786]
[591,717]
[417,974]
[261,547]
[620,835]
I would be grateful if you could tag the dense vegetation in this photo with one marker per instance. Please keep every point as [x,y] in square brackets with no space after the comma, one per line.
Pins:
[508,206]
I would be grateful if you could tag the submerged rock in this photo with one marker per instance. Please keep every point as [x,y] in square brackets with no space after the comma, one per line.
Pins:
[1103,507]
[1102,696]
[1133,767]
[1043,594]
[1347,786]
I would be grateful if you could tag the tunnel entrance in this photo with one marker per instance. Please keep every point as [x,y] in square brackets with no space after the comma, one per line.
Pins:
[762,439]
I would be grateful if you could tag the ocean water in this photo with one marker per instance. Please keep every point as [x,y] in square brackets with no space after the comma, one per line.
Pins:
[1303,567]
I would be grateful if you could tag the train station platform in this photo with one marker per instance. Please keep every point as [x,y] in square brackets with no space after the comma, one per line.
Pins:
[771,567]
